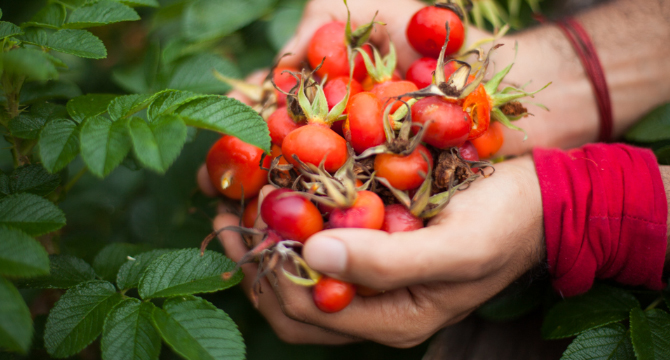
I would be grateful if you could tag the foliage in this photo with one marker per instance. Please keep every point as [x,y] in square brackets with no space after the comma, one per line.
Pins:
[99,112]
[653,131]
[48,124]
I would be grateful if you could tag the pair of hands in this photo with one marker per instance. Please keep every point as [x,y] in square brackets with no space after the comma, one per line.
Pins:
[486,238]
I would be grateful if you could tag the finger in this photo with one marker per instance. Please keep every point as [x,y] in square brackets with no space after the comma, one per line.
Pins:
[204,183]
[287,329]
[388,261]
[265,191]
[394,318]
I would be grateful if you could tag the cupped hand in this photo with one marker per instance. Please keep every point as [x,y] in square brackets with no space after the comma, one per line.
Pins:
[488,236]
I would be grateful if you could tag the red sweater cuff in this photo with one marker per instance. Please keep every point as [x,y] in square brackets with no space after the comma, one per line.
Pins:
[605,215]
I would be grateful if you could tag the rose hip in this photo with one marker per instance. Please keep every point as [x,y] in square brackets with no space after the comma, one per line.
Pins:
[367,212]
[397,218]
[332,295]
[291,215]
[448,125]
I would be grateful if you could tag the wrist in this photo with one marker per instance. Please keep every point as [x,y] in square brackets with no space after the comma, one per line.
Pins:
[530,204]
[544,56]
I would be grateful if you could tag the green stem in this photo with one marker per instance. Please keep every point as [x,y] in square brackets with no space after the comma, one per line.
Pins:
[654,304]
[74,179]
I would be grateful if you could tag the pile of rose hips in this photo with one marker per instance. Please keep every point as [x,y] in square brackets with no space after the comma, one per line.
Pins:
[356,146]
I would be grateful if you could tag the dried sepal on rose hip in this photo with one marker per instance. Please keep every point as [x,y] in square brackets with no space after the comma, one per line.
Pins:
[349,205]
[479,101]
[426,203]
[400,159]
[316,141]
[333,45]
[291,220]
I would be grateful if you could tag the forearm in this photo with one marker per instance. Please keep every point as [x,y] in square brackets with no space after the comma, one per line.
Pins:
[630,41]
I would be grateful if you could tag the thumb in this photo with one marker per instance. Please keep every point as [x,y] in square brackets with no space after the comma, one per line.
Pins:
[387,261]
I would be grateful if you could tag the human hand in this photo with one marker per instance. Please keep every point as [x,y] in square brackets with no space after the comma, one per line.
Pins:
[395,16]
[487,237]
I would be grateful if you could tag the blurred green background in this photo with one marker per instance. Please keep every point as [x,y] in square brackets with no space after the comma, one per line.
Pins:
[176,46]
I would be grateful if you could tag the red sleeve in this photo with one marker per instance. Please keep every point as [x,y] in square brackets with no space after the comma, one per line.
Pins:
[605,215]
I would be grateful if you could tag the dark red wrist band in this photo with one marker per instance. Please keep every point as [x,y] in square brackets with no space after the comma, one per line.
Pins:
[605,215]
[584,48]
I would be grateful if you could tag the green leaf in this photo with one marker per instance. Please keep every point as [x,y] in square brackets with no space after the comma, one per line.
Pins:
[69,41]
[659,323]
[609,342]
[104,144]
[28,124]
[283,24]
[33,179]
[34,36]
[131,79]
[77,42]
[8,29]
[72,3]
[16,326]
[195,73]
[602,305]
[99,13]
[185,272]
[59,144]
[208,19]
[640,334]
[228,116]
[89,105]
[77,318]
[57,62]
[51,16]
[65,271]
[129,332]
[131,271]
[30,63]
[21,255]
[169,100]
[31,213]
[125,106]
[666,297]
[137,3]
[111,257]
[650,333]
[158,143]
[196,329]
[655,126]
[663,155]
[33,92]
[151,64]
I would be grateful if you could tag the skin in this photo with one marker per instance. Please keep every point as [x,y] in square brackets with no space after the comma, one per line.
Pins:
[436,276]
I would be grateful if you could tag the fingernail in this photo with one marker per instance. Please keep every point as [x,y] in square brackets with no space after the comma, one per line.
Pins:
[326,254]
